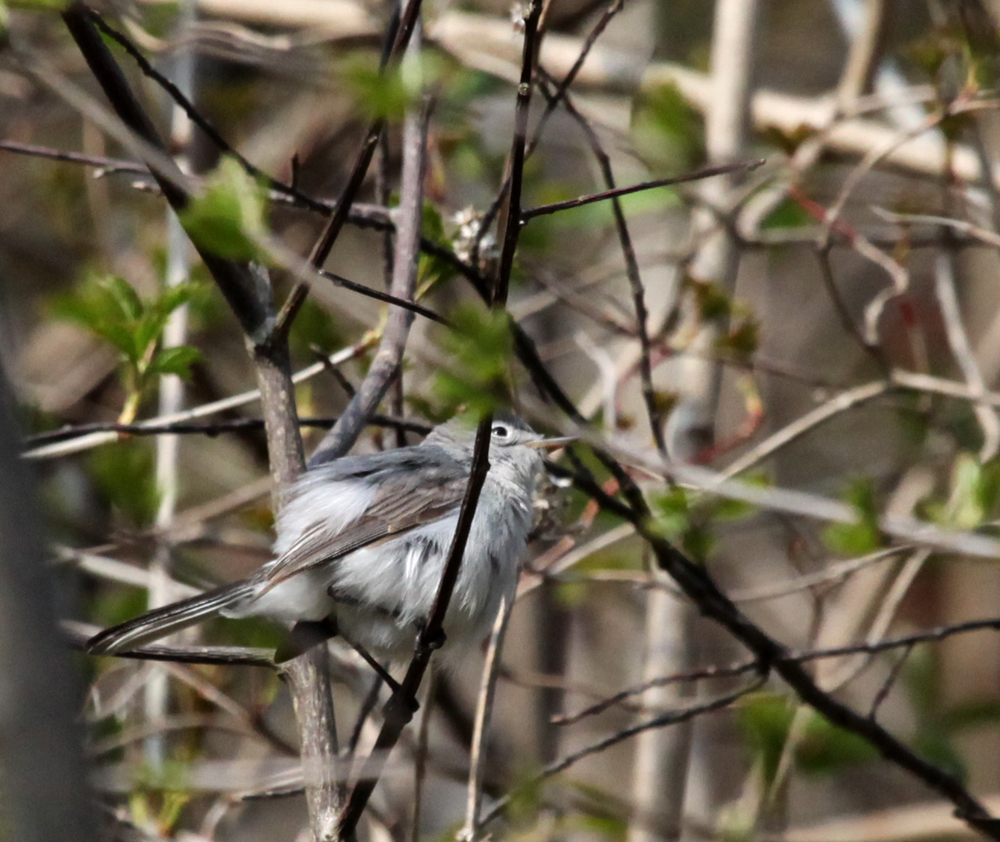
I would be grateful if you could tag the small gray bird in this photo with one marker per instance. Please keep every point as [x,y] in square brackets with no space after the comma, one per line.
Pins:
[362,542]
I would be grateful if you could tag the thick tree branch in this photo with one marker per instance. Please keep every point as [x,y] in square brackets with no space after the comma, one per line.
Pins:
[235,280]
[45,794]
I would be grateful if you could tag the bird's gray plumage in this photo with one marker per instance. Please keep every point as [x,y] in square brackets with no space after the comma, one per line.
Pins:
[364,539]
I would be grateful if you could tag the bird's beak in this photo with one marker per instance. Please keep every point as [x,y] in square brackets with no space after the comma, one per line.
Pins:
[552,444]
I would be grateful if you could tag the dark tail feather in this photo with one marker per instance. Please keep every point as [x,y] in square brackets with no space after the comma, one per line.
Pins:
[170,618]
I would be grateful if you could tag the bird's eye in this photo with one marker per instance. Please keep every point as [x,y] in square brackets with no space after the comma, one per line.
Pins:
[501,431]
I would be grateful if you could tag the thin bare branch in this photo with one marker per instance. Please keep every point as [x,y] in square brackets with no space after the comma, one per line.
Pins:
[632,272]
[389,356]
[110,434]
[673,717]
[484,712]
[104,163]
[353,286]
[604,195]
[206,428]
[838,404]
[397,39]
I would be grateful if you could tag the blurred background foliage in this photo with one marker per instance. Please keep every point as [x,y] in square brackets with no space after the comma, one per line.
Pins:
[803,314]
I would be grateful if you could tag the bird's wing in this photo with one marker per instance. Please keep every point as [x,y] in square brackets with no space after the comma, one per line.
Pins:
[405,499]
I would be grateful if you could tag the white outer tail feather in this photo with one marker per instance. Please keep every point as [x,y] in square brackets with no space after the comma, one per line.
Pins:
[171,618]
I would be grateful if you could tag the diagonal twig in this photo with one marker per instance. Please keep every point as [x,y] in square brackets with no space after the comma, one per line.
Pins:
[397,39]
[604,195]
[388,358]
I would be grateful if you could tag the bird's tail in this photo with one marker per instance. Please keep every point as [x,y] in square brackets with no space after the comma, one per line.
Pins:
[170,618]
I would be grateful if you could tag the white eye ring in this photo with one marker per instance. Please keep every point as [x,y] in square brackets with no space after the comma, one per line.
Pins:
[501,431]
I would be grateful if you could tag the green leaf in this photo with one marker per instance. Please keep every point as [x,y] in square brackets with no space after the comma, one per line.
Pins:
[147,334]
[766,720]
[667,130]
[314,327]
[111,309]
[788,214]
[730,510]
[432,269]
[826,747]
[966,504]
[525,798]
[177,296]
[176,360]
[608,827]
[851,539]
[479,347]
[930,51]
[677,519]
[973,495]
[121,337]
[862,536]
[157,313]
[124,297]
[788,141]
[714,303]
[108,307]
[672,512]
[125,476]
[160,19]
[697,542]
[227,218]
[432,223]
[380,94]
